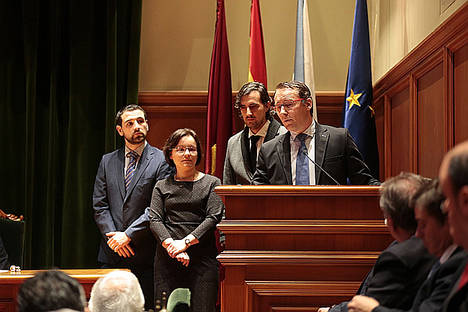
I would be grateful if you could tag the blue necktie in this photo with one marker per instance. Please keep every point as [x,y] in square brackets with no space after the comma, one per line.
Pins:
[131,168]
[302,163]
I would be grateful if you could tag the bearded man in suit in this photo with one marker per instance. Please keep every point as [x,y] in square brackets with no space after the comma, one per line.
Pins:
[287,159]
[253,103]
[122,192]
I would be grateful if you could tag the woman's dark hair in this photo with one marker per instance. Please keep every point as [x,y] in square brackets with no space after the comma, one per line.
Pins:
[174,139]
[429,198]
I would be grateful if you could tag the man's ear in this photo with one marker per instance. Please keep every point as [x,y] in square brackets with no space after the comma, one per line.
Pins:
[309,103]
[462,198]
[119,130]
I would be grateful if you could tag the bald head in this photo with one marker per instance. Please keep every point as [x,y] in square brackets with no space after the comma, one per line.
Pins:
[118,291]
[453,175]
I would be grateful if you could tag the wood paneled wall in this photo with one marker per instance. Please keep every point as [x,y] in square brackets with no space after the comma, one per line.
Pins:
[421,103]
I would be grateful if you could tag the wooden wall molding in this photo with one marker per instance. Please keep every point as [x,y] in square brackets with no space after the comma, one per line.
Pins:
[427,126]
[455,26]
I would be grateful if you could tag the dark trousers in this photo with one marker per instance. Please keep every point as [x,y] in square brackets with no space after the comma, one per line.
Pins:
[144,276]
[202,280]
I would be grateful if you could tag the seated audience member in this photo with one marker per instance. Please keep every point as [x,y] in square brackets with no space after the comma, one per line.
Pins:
[49,291]
[118,291]
[401,268]
[3,256]
[433,229]
[289,158]
[453,176]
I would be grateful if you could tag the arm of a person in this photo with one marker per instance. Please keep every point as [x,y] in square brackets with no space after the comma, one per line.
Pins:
[260,176]
[389,280]
[102,214]
[358,171]
[214,214]
[228,172]
[157,216]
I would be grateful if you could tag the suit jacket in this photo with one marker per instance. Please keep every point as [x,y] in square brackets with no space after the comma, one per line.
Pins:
[397,275]
[118,210]
[435,288]
[236,163]
[335,152]
[457,299]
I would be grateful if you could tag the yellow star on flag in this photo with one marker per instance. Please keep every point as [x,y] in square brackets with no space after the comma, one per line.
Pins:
[353,99]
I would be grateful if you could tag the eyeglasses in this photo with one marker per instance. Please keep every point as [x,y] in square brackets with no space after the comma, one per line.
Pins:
[180,150]
[253,108]
[288,105]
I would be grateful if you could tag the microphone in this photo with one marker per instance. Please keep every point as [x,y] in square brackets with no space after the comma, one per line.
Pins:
[321,169]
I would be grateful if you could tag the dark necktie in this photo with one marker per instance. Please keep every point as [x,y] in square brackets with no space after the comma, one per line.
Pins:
[133,156]
[253,152]
[302,163]
[434,269]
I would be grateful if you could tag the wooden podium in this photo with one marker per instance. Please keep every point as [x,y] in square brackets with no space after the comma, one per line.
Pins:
[293,248]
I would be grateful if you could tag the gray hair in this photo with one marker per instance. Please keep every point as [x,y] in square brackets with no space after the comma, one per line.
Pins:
[118,291]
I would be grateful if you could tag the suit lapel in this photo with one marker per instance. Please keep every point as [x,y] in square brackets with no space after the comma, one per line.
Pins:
[321,142]
[272,130]
[141,167]
[245,147]
[120,171]
[284,153]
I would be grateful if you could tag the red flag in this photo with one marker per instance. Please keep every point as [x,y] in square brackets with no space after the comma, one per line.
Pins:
[257,62]
[219,125]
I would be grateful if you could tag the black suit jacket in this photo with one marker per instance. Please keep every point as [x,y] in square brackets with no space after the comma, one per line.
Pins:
[118,210]
[236,163]
[457,300]
[335,152]
[436,288]
[397,275]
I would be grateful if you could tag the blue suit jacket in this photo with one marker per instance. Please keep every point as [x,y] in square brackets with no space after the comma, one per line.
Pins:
[118,210]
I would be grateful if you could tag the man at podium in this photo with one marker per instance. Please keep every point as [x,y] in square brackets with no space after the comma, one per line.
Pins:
[309,153]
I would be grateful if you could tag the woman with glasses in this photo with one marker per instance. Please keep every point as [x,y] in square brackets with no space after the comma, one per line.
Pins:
[183,216]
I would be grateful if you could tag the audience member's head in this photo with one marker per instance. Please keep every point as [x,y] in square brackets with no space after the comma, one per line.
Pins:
[432,222]
[49,291]
[453,176]
[118,291]
[396,197]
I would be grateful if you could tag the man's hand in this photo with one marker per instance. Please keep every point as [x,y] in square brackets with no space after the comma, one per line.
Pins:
[183,258]
[323,309]
[119,242]
[362,304]
[175,247]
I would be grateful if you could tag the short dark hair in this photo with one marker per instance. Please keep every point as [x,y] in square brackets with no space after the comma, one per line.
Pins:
[174,139]
[249,87]
[51,290]
[302,88]
[396,199]
[128,108]
[458,171]
[429,197]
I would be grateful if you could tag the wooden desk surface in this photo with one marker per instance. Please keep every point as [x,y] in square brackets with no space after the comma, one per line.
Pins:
[79,274]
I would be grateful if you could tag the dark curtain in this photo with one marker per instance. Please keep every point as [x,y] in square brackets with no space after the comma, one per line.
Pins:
[66,67]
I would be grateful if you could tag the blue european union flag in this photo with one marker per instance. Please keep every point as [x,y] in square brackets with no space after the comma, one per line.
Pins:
[359,117]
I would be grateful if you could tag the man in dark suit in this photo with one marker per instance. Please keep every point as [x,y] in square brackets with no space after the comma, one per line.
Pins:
[122,191]
[3,256]
[286,159]
[453,176]
[433,229]
[253,103]
[401,268]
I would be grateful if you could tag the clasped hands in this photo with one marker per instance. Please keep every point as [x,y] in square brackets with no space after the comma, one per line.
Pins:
[176,249]
[120,243]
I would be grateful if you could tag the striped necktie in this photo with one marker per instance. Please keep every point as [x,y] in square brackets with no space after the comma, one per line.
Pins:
[302,163]
[131,168]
